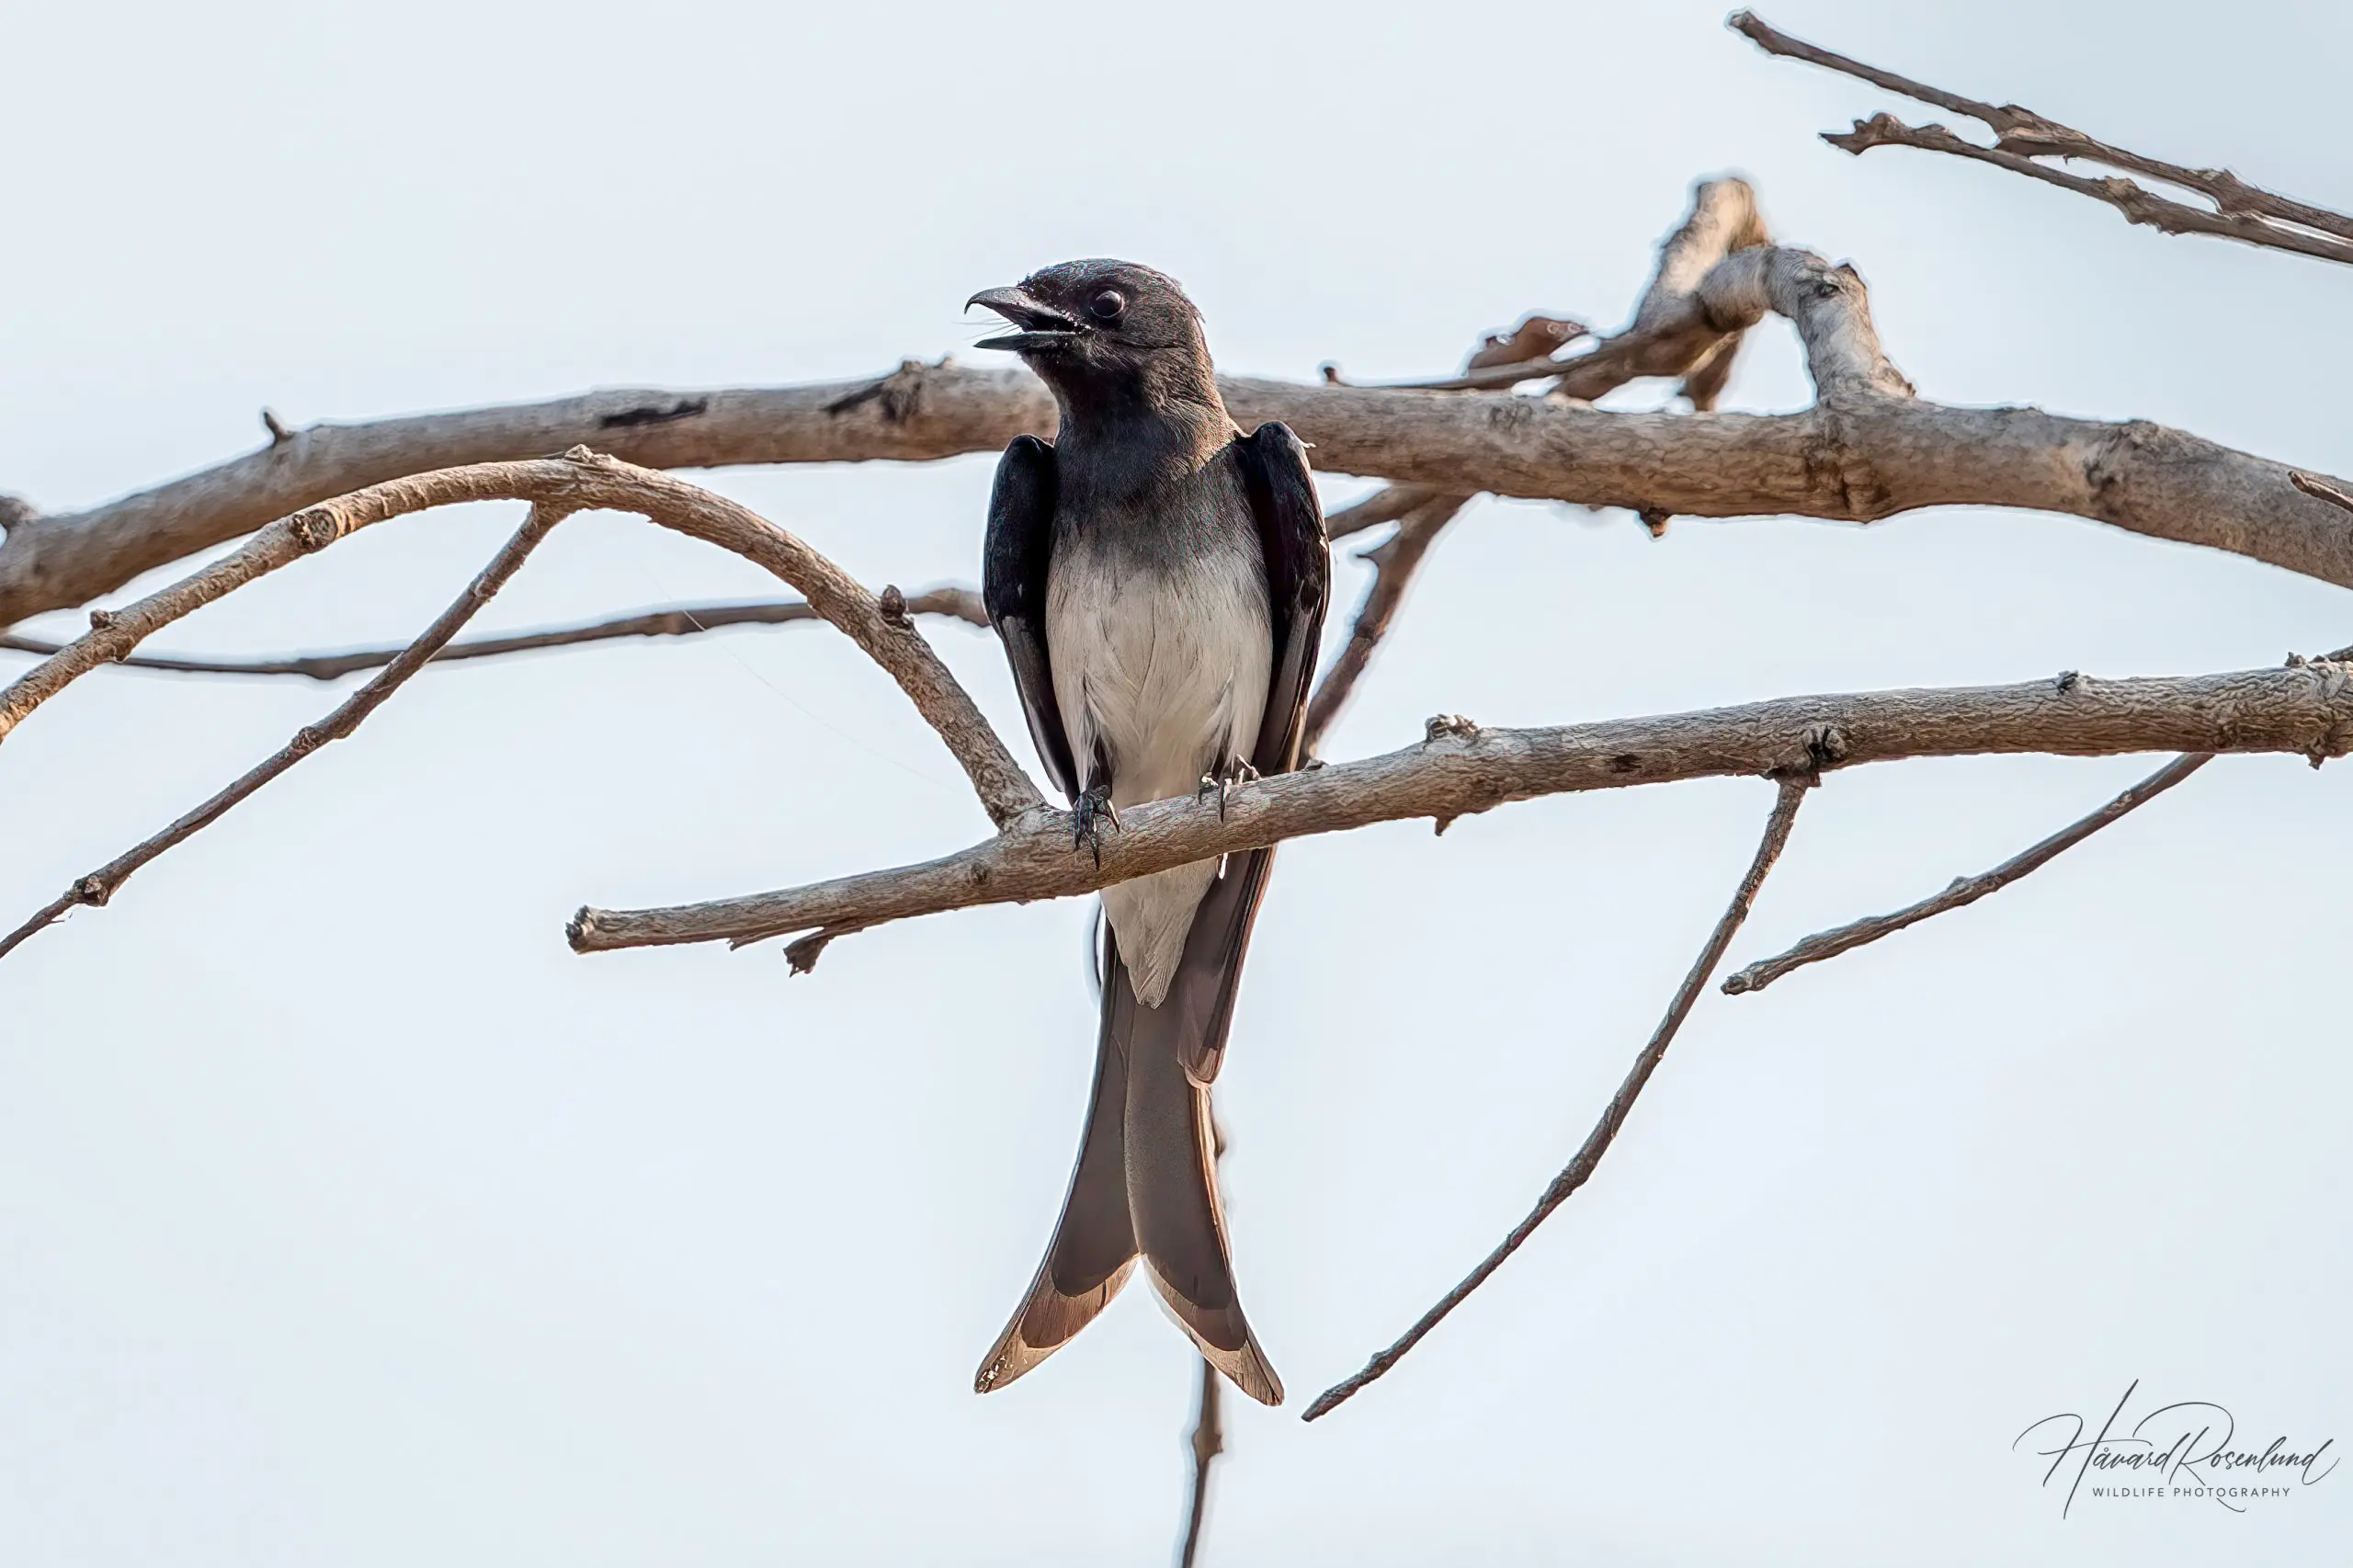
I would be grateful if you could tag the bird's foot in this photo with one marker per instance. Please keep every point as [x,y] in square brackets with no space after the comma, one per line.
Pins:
[1236,770]
[1088,813]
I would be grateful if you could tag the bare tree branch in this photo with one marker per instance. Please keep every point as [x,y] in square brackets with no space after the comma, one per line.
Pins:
[1965,889]
[2241,211]
[679,620]
[1387,505]
[1207,1441]
[1671,335]
[580,479]
[101,885]
[1868,458]
[57,561]
[2138,204]
[1461,769]
[1596,1144]
[1394,561]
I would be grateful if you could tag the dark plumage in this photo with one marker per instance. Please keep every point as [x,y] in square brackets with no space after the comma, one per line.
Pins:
[1159,580]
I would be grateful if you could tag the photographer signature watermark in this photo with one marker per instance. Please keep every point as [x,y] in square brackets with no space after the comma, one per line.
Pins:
[2189,1450]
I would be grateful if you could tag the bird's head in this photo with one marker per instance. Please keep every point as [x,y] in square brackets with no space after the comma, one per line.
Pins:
[1105,333]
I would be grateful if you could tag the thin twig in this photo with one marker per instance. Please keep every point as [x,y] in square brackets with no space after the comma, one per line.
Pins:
[2241,211]
[1574,1175]
[1394,561]
[2022,130]
[1965,889]
[681,620]
[1207,1441]
[2136,202]
[102,884]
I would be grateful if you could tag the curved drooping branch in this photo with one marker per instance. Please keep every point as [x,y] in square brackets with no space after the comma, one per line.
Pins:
[98,886]
[578,480]
[2240,211]
[57,561]
[678,620]
[1461,769]
[1865,452]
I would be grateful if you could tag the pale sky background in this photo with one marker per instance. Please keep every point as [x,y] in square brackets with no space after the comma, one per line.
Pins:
[347,1218]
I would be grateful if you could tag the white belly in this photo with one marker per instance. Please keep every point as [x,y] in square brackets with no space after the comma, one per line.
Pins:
[1165,675]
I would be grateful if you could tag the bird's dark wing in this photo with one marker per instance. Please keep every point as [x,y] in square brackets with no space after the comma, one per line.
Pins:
[1298,580]
[1013,587]
[1299,585]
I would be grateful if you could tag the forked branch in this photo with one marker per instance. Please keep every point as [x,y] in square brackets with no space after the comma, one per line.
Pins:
[1965,891]
[101,885]
[2238,210]
[555,487]
[1587,1158]
[580,479]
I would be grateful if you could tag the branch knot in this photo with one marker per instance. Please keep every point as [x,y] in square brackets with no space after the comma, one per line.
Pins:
[314,528]
[899,394]
[1827,746]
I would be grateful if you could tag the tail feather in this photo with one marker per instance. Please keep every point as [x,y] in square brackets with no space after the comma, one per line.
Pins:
[1173,1197]
[1094,1247]
[1146,1179]
[1199,1003]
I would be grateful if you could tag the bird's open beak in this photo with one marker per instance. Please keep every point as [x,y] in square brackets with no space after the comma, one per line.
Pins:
[1042,326]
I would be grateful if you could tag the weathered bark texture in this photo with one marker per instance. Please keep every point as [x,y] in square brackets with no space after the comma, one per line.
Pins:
[578,480]
[1461,769]
[1866,451]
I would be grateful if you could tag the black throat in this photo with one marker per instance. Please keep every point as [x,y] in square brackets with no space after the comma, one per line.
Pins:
[1128,429]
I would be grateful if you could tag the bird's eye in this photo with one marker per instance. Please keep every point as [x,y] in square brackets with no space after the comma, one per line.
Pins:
[1107,305]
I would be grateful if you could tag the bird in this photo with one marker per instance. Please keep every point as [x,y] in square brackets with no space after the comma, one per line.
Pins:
[1158,580]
